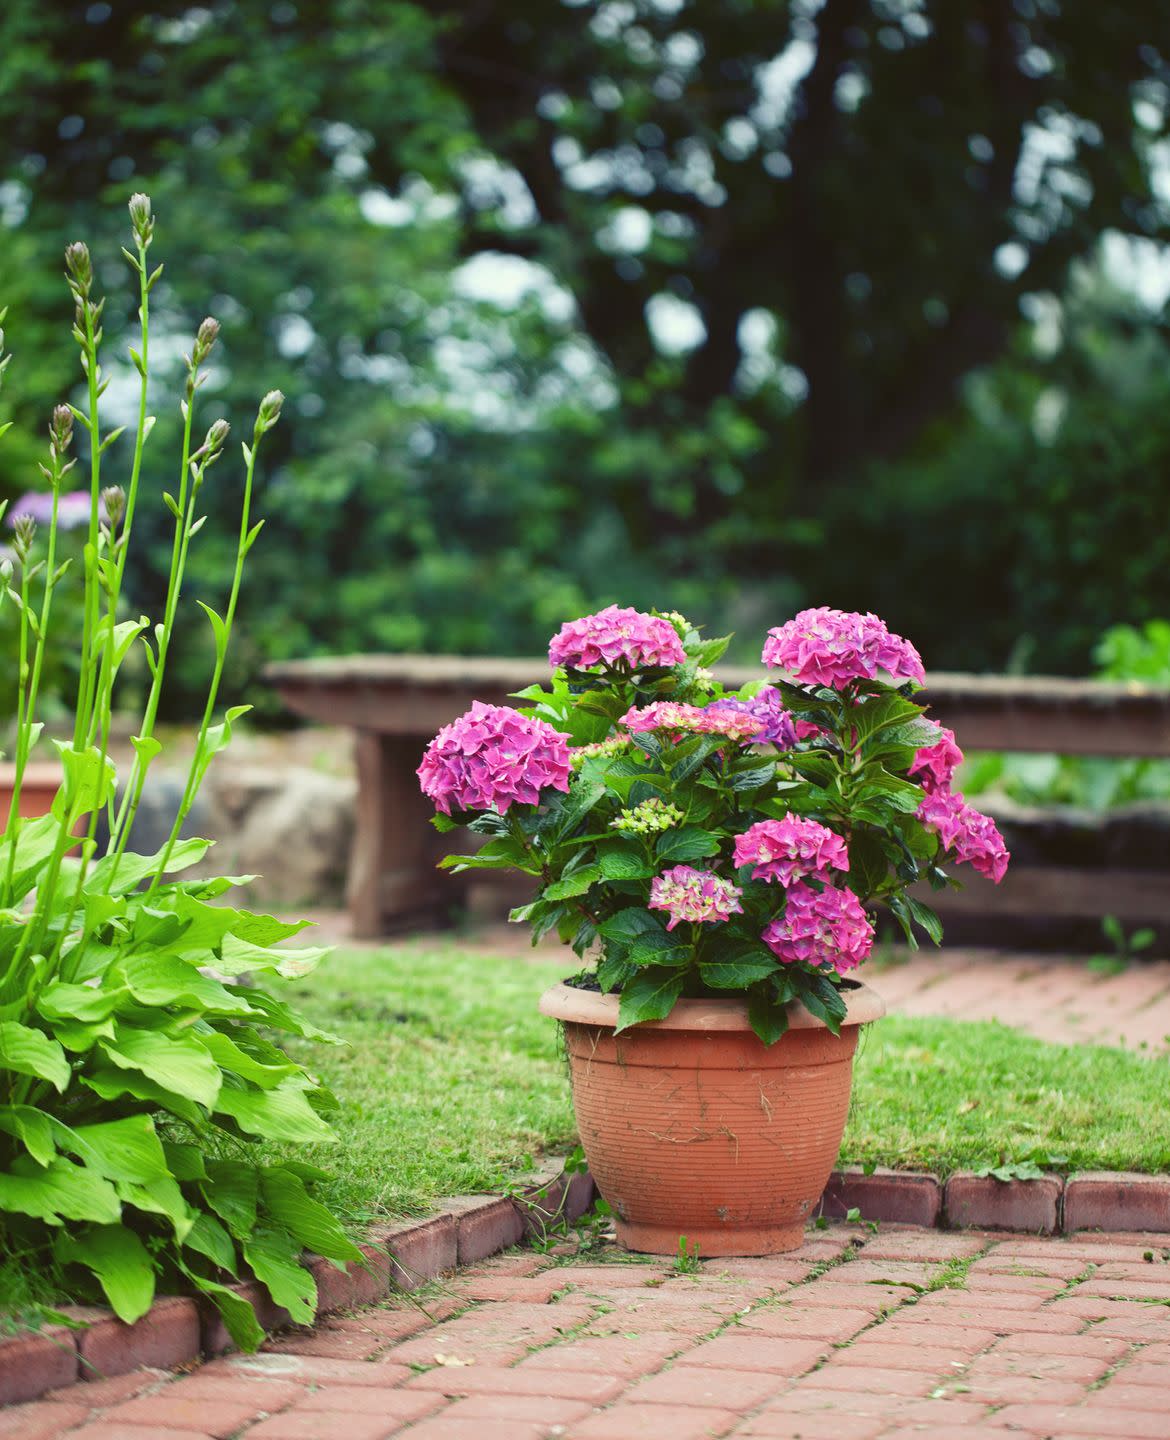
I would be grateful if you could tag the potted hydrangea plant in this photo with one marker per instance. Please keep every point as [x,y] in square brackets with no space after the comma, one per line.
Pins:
[719,861]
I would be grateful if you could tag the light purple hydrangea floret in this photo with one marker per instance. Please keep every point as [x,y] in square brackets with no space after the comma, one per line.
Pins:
[702,720]
[935,765]
[697,895]
[615,636]
[832,647]
[821,927]
[972,836]
[493,757]
[778,726]
[791,849]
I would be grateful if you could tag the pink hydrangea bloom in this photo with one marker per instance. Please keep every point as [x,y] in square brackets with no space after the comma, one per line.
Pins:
[493,756]
[935,765]
[703,720]
[821,927]
[832,647]
[791,849]
[974,837]
[612,636]
[697,895]
[778,727]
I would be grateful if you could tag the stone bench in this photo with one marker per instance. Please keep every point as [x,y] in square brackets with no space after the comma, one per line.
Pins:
[395,703]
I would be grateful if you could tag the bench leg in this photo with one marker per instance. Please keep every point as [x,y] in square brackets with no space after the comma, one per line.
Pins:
[393,881]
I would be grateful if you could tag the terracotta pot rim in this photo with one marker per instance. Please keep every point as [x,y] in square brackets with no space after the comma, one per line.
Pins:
[591,1007]
[37,772]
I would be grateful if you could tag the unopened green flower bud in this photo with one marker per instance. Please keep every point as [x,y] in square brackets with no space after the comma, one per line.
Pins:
[61,429]
[680,622]
[269,412]
[206,337]
[141,219]
[24,529]
[648,818]
[114,501]
[216,436]
[5,569]
[79,265]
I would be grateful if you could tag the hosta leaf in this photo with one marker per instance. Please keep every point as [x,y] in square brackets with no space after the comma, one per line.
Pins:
[309,1223]
[32,1128]
[112,1084]
[185,1162]
[228,1055]
[88,781]
[160,1197]
[81,1036]
[237,957]
[126,1149]
[208,1237]
[650,995]
[238,1316]
[133,869]
[275,1258]
[30,1052]
[232,1190]
[61,1191]
[155,979]
[282,1017]
[176,1062]
[282,1113]
[121,1263]
[61,1001]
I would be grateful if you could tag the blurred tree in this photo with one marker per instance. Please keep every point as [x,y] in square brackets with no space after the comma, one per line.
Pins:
[733,251]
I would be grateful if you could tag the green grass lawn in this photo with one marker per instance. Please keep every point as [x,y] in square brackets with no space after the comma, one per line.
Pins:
[453,1083]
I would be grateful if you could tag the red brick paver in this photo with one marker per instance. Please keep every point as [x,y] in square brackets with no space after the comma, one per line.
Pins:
[854,1337]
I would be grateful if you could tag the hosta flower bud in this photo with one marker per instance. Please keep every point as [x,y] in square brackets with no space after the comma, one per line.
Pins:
[206,337]
[24,529]
[61,428]
[79,265]
[269,412]
[141,219]
[216,436]
[114,501]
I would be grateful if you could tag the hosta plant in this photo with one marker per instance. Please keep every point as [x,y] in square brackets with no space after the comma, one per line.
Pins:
[691,842]
[138,1075]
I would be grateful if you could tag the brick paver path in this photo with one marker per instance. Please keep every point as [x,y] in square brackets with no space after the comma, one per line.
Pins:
[856,1336]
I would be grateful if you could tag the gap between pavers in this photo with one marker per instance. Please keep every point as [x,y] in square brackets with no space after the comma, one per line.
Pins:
[177,1332]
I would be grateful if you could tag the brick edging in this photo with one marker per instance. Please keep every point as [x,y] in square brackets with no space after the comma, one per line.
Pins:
[178,1331]
[1112,1200]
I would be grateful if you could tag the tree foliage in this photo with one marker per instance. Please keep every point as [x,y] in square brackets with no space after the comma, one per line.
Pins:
[839,207]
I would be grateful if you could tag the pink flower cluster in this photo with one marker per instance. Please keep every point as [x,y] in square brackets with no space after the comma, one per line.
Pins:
[791,849]
[935,765]
[703,720]
[612,636]
[696,895]
[777,726]
[832,647]
[493,756]
[821,927]
[973,836]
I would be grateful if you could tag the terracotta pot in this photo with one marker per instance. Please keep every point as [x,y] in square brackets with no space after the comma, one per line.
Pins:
[39,786]
[692,1126]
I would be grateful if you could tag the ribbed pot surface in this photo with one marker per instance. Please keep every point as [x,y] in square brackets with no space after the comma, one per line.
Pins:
[708,1133]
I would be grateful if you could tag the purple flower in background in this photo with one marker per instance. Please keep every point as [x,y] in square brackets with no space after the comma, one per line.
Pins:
[72,508]
[833,647]
[791,849]
[821,927]
[493,756]
[972,836]
[696,895]
[935,765]
[614,635]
